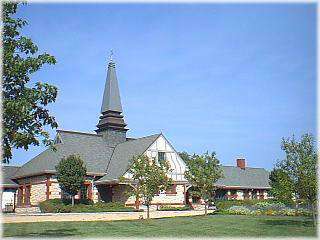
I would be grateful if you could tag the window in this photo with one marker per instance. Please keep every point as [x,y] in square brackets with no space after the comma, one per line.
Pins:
[172,189]
[161,156]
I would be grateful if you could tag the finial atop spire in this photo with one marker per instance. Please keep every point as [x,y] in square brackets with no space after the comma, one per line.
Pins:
[111,55]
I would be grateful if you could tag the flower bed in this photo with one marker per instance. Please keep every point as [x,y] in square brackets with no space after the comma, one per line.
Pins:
[265,208]
[59,206]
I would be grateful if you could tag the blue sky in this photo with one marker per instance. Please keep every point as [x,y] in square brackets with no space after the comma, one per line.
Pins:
[229,78]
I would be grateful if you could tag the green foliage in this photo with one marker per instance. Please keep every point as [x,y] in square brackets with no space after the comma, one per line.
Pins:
[296,175]
[169,208]
[203,172]
[225,204]
[71,173]
[185,156]
[24,112]
[61,206]
[282,186]
[148,178]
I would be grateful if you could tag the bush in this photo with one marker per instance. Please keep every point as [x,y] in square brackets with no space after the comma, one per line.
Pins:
[85,201]
[276,206]
[239,210]
[62,206]
[168,208]
[225,204]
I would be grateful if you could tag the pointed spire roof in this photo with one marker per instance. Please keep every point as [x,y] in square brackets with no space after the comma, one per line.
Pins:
[111,97]
[111,110]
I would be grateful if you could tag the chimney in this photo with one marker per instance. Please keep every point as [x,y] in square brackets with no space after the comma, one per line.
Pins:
[241,163]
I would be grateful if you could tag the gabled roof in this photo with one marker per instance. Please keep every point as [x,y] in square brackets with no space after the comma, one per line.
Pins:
[92,148]
[123,154]
[244,178]
[7,173]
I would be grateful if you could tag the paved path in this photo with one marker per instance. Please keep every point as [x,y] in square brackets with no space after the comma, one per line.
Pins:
[106,216]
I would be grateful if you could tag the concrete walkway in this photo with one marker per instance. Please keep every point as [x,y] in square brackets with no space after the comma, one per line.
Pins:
[105,216]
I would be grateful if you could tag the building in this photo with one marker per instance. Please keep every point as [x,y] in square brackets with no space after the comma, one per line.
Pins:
[107,155]
[8,188]
[241,182]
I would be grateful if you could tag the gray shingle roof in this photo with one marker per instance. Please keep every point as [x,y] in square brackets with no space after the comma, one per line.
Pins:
[92,148]
[7,173]
[123,154]
[245,178]
[111,96]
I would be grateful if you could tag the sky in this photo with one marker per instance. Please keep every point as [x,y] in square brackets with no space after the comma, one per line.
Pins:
[230,78]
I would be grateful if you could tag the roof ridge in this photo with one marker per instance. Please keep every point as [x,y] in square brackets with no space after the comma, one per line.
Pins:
[156,134]
[77,132]
[245,167]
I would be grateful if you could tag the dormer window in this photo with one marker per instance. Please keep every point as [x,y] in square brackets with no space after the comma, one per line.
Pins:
[161,157]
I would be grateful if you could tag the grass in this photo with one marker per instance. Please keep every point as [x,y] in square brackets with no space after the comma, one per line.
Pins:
[197,226]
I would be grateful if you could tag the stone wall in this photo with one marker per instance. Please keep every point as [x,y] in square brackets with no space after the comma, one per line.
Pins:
[119,195]
[54,190]
[38,193]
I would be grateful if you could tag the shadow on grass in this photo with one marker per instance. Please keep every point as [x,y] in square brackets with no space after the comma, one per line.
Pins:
[64,232]
[293,222]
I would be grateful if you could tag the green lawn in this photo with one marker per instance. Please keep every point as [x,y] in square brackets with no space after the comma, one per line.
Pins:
[210,226]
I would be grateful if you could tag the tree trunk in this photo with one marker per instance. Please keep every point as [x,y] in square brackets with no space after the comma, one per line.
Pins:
[314,214]
[205,209]
[148,211]
[137,204]
[72,200]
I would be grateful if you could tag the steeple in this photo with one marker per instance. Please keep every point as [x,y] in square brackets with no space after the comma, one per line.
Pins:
[111,122]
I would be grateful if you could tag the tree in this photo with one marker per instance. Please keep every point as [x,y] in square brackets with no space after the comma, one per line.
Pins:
[185,156]
[24,112]
[281,186]
[71,172]
[296,175]
[203,172]
[148,178]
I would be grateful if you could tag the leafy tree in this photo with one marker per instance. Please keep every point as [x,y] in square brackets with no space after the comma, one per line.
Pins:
[185,156]
[281,186]
[203,172]
[148,178]
[24,112]
[297,173]
[71,172]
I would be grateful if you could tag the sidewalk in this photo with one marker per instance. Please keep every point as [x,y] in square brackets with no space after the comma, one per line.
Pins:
[104,216]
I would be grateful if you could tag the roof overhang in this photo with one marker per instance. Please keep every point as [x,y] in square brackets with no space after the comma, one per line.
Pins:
[52,172]
[9,185]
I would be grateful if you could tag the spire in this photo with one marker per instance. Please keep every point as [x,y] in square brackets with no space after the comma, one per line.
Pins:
[111,110]
[111,97]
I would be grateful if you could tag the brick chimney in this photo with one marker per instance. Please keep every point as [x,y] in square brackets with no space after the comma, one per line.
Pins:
[241,163]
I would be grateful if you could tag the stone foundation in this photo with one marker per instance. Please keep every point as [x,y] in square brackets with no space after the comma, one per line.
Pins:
[21,210]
